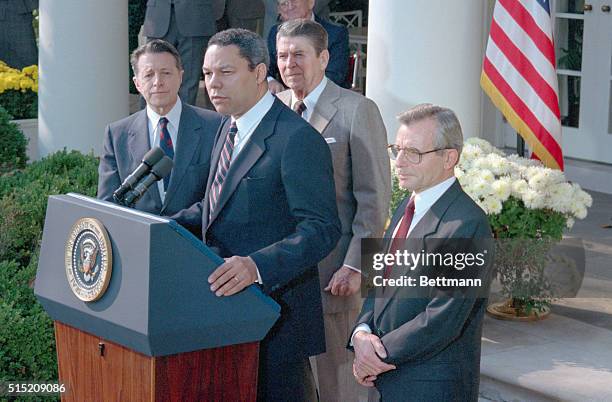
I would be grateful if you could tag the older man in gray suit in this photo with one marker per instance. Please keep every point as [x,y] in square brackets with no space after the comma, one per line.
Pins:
[353,128]
[187,25]
[185,133]
[425,348]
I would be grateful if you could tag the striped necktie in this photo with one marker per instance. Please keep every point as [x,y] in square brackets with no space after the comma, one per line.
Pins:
[222,168]
[299,107]
[165,143]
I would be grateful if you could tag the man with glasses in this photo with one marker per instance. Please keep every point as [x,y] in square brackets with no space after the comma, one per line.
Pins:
[425,348]
[338,43]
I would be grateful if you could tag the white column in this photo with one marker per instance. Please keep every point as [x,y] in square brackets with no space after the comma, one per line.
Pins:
[83,72]
[426,51]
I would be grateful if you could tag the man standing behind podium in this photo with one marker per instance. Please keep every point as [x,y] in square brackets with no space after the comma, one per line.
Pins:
[353,128]
[185,133]
[270,209]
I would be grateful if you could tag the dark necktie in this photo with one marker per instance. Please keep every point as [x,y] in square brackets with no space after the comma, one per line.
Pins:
[165,143]
[299,107]
[401,234]
[222,168]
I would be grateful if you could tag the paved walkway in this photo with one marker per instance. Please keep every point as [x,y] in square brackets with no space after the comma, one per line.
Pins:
[567,356]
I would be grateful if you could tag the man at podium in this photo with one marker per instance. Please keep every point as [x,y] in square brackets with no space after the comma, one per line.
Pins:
[184,133]
[269,210]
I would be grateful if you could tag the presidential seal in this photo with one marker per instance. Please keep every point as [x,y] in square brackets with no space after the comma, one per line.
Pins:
[88,259]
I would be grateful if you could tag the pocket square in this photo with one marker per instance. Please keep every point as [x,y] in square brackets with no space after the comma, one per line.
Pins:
[330,140]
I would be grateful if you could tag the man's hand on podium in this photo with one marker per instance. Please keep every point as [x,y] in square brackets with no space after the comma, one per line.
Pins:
[235,274]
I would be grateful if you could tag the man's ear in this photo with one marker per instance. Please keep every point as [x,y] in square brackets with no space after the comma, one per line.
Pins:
[452,158]
[136,82]
[261,71]
[324,58]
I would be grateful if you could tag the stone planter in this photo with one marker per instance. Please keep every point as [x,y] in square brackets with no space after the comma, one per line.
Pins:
[29,128]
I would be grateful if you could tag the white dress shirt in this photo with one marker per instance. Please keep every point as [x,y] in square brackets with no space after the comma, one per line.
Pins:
[174,118]
[423,202]
[311,99]
[248,122]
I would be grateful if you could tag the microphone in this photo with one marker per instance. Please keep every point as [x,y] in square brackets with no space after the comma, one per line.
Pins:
[150,159]
[158,172]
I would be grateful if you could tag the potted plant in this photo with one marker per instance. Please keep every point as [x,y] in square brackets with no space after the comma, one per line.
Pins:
[529,207]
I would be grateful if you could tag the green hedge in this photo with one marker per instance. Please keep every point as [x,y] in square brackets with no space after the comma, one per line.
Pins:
[27,344]
[13,144]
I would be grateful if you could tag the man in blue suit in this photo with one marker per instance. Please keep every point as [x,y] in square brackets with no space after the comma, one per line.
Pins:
[157,75]
[269,209]
[337,42]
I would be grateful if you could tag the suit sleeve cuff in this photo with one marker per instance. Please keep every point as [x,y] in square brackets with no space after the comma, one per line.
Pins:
[360,327]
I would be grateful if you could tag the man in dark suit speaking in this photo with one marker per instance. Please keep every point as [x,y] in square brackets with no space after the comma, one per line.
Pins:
[425,348]
[269,210]
[185,133]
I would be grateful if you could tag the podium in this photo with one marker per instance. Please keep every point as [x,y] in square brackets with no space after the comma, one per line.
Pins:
[134,316]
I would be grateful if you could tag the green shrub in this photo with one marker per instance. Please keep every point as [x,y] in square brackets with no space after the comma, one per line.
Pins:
[13,144]
[27,344]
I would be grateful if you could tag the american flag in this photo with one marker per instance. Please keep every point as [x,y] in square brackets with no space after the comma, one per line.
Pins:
[518,74]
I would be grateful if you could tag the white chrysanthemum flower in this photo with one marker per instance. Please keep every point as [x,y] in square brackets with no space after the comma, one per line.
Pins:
[486,175]
[532,199]
[560,197]
[469,153]
[492,204]
[569,223]
[519,187]
[580,212]
[501,189]
[480,187]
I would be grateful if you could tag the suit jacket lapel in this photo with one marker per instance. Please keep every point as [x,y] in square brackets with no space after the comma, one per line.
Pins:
[247,157]
[188,139]
[325,109]
[138,145]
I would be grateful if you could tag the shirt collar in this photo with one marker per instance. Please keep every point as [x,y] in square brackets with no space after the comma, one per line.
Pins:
[313,97]
[425,199]
[254,115]
[173,116]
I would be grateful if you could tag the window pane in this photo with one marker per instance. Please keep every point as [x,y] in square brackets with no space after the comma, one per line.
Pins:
[568,43]
[570,6]
[569,100]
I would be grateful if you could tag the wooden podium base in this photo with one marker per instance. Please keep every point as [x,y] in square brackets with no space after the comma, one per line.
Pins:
[94,369]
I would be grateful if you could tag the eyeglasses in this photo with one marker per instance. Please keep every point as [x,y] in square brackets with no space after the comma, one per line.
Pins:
[286,3]
[412,155]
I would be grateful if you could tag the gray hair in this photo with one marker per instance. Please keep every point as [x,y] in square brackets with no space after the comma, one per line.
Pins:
[313,31]
[155,46]
[448,133]
[251,46]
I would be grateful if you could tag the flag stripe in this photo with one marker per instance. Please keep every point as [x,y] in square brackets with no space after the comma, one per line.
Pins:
[537,130]
[524,67]
[521,40]
[526,21]
[517,123]
[513,78]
